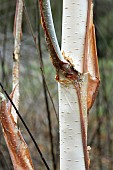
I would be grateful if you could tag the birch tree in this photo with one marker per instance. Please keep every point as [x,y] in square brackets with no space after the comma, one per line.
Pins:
[77,76]
[73,102]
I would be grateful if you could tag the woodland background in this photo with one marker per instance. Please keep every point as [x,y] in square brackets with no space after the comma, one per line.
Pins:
[32,100]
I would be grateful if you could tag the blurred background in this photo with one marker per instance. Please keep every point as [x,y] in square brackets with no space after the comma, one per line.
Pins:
[34,104]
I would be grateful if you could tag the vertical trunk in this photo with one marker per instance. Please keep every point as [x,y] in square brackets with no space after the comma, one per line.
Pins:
[77,74]
[72,154]
[74,30]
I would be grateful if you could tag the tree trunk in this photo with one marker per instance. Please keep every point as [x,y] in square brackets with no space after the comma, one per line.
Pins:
[73,41]
[77,74]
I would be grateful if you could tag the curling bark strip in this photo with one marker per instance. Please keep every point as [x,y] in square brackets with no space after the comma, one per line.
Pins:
[91,59]
[18,149]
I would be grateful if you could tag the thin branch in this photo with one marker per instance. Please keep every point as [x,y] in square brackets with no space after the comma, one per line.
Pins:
[50,126]
[16,54]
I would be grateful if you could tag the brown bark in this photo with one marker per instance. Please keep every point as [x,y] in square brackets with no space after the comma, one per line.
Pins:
[18,149]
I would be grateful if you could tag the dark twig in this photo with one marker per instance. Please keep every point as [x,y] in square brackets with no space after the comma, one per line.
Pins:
[50,125]
[46,97]
[25,125]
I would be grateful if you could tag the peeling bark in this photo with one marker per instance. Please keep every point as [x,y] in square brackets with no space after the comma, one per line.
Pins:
[17,147]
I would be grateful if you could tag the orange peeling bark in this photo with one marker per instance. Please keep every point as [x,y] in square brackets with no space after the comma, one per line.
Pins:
[18,149]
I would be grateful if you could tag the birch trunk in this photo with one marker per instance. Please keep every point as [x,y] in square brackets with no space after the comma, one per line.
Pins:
[73,41]
[78,76]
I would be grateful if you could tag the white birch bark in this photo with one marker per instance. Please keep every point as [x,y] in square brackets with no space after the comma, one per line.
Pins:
[73,40]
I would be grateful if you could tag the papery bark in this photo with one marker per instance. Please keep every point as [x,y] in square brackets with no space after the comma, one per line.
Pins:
[17,147]
[91,59]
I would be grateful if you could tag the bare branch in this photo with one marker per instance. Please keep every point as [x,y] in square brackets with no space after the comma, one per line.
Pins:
[16,54]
